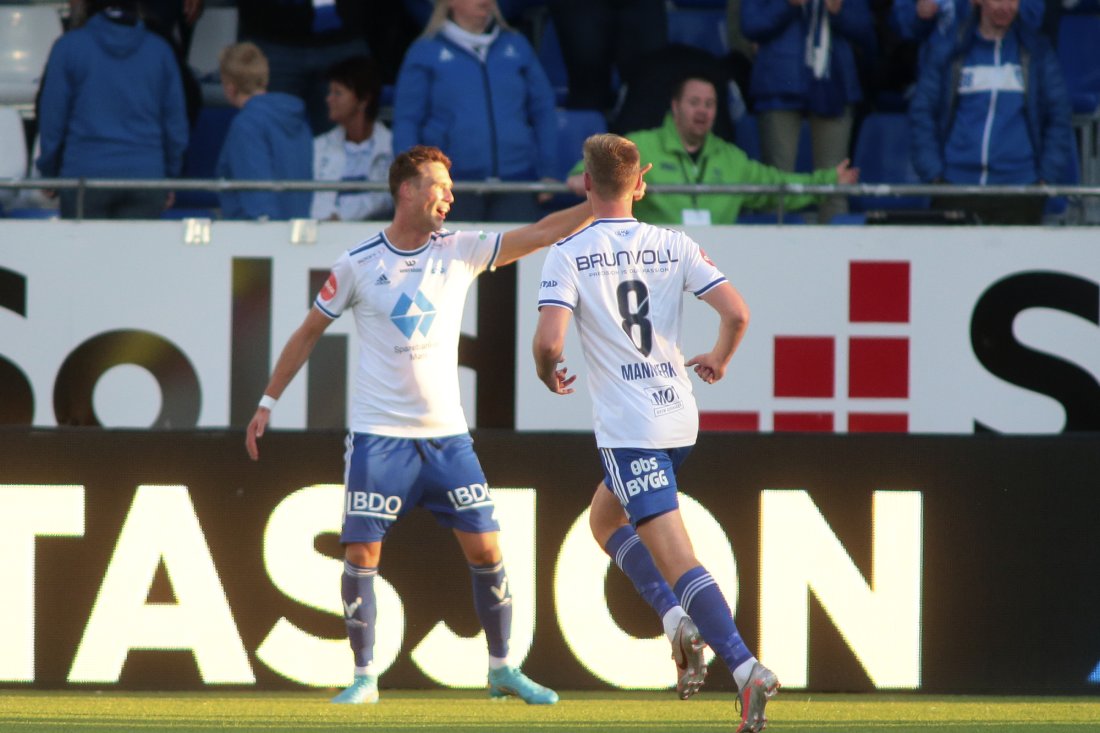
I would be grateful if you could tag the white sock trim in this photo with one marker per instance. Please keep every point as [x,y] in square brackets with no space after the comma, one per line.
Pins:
[741,674]
[671,620]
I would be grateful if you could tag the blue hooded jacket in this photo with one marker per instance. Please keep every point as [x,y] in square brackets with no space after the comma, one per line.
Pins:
[269,139]
[780,77]
[493,120]
[112,105]
[991,112]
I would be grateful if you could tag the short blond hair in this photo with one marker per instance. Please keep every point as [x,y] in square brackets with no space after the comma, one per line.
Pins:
[613,163]
[440,14]
[245,67]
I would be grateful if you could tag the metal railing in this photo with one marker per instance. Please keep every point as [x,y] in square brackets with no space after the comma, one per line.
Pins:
[1082,194]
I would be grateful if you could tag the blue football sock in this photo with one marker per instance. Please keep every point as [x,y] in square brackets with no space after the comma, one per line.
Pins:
[493,601]
[627,550]
[360,610]
[703,600]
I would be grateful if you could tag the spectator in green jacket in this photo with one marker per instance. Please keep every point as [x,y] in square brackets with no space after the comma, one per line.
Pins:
[684,150]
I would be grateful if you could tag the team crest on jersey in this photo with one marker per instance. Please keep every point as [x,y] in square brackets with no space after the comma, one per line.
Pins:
[413,314]
[706,259]
[328,290]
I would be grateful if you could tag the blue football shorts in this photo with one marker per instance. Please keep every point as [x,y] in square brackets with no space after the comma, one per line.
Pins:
[643,479]
[386,477]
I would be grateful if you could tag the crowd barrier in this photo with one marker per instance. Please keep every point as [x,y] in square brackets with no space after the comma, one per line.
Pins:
[1085,194]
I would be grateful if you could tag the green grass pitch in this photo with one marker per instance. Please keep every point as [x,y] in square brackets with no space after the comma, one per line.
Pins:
[455,712]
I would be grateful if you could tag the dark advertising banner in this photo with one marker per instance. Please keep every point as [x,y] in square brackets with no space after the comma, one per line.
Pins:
[168,560]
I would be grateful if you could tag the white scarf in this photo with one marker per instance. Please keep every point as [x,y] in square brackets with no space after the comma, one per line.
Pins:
[476,43]
[818,39]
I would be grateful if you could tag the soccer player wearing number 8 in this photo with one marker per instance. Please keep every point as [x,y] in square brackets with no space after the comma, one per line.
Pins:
[624,281]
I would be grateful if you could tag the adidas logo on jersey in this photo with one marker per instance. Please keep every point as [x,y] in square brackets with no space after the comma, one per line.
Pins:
[382,280]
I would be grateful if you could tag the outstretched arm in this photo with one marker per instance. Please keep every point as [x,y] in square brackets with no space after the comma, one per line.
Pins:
[734,319]
[551,228]
[549,348]
[297,350]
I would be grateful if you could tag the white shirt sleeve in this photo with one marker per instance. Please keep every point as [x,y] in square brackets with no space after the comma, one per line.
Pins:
[700,274]
[336,294]
[559,280]
[479,250]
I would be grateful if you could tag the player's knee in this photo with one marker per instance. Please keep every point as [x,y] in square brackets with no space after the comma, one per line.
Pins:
[605,515]
[363,554]
[484,556]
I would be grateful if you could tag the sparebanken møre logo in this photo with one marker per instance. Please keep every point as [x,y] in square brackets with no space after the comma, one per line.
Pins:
[413,314]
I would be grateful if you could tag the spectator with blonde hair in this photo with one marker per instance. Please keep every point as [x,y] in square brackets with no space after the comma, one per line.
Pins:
[269,139]
[473,87]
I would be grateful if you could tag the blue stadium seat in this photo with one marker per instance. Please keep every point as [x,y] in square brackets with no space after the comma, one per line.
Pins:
[1079,51]
[705,29]
[574,127]
[712,4]
[770,218]
[882,156]
[553,63]
[176,213]
[32,213]
[746,135]
[202,155]
[1057,205]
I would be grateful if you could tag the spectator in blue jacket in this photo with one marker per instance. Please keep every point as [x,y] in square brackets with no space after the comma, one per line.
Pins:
[806,67]
[919,20]
[112,107]
[474,88]
[269,139]
[992,108]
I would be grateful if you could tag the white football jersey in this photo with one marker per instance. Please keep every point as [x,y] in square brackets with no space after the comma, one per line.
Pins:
[624,282]
[408,316]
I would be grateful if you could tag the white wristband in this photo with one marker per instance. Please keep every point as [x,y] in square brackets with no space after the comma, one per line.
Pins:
[268,402]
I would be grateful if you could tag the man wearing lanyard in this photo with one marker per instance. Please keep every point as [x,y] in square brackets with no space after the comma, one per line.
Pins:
[684,150]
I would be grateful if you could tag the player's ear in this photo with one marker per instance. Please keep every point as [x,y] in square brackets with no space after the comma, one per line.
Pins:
[587,181]
[403,190]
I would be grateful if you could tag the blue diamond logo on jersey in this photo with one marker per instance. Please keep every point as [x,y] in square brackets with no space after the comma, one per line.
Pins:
[413,314]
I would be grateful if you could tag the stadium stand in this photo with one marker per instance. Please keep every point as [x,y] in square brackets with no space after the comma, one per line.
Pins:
[699,27]
[574,126]
[549,53]
[202,155]
[747,137]
[215,29]
[882,156]
[13,153]
[713,4]
[27,33]
[1080,55]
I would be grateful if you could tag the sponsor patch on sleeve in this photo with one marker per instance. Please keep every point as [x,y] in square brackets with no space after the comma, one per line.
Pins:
[706,259]
[328,290]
